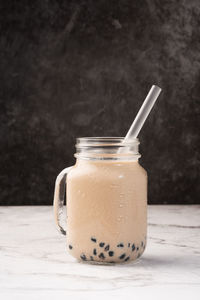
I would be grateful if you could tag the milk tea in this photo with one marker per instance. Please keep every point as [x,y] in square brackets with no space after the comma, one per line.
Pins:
[106,210]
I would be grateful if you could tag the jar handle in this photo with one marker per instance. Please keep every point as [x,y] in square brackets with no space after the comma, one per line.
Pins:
[59,198]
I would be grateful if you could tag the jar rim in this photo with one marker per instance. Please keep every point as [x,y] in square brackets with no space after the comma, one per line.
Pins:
[108,141]
[107,148]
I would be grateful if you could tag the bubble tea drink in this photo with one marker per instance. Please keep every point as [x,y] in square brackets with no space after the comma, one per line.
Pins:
[106,199]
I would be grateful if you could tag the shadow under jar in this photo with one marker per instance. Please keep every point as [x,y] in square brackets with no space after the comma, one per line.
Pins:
[106,200]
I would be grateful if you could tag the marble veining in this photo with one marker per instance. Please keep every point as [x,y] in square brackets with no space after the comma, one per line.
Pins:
[34,261]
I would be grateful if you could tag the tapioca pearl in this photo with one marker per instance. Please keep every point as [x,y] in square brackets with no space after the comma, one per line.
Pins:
[133,247]
[137,248]
[70,247]
[101,255]
[129,244]
[83,257]
[111,253]
[127,258]
[93,239]
[122,256]
[107,248]
[101,244]
[94,251]
[120,245]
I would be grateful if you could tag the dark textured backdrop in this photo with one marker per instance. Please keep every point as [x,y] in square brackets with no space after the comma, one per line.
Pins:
[82,68]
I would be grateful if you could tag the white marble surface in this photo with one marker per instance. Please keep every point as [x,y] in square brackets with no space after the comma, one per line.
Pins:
[34,262]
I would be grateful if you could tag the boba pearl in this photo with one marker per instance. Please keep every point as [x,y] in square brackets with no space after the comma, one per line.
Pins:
[83,257]
[101,255]
[133,247]
[107,248]
[95,252]
[93,239]
[70,247]
[110,253]
[120,245]
[101,244]
[122,256]
[127,258]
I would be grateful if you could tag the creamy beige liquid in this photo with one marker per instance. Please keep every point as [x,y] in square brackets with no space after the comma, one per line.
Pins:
[106,210]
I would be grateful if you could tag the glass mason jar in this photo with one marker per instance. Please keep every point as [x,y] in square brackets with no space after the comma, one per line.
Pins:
[106,201]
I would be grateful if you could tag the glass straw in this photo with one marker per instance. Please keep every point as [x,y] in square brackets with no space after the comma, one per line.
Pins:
[143,112]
